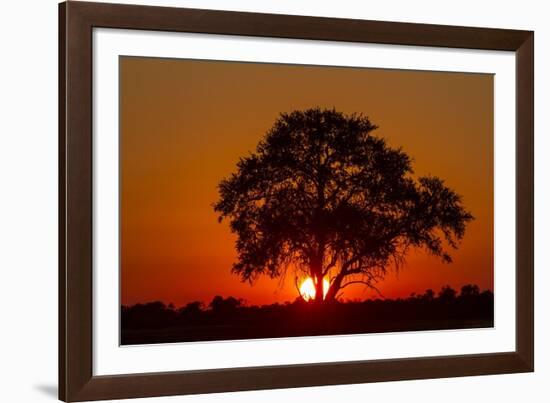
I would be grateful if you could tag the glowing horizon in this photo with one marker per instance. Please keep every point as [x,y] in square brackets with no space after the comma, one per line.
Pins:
[185,123]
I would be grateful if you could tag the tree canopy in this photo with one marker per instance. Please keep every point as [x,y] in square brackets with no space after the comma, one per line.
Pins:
[323,195]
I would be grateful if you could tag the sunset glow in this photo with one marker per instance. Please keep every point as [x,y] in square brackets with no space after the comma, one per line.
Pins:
[184,125]
[307,289]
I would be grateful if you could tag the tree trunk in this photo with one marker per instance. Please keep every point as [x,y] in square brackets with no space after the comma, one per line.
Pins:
[317,268]
[335,287]
[319,288]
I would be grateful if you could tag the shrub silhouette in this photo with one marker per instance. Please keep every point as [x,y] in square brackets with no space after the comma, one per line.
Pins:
[229,318]
[227,305]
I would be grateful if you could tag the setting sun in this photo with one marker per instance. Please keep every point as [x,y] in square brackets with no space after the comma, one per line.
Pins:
[234,213]
[307,289]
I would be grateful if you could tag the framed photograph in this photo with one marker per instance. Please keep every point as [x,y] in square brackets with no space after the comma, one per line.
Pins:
[252,201]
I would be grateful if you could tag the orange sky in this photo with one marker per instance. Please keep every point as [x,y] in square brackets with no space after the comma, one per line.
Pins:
[185,123]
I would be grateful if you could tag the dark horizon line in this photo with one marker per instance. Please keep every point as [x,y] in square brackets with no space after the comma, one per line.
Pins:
[244,302]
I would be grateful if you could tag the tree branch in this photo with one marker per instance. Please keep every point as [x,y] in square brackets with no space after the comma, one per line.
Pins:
[366,283]
[331,264]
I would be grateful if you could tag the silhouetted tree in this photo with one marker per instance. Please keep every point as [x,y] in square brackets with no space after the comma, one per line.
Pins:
[325,195]
[428,295]
[192,308]
[221,305]
[469,290]
[447,294]
[151,314]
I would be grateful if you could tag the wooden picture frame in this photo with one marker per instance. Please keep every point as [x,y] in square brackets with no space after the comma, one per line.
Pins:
[76,22]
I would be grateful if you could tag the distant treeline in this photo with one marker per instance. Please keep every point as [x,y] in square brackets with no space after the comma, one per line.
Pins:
[231,318]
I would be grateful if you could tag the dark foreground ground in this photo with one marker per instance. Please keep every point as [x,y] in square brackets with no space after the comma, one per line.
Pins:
[228,319]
